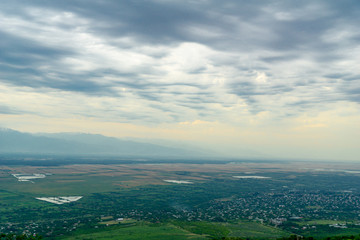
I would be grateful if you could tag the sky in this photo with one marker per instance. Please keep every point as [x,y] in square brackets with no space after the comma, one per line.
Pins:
[280,79]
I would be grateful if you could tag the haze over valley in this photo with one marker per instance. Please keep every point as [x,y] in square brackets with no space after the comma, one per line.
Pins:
[86,144]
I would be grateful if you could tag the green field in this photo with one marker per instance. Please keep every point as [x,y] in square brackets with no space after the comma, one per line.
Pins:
[319,222]
[180,230]
[244,229]
[134,232]
[256,230]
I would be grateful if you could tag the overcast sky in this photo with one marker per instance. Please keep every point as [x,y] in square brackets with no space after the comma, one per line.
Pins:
[280,78]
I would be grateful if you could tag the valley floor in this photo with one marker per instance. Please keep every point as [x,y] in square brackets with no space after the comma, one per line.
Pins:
[196,200]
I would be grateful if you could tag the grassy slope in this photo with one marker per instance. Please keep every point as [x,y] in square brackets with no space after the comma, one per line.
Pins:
[138,231]
[249,229]
[180,231]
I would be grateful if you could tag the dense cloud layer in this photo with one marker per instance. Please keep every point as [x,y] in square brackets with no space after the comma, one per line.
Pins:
[173,61]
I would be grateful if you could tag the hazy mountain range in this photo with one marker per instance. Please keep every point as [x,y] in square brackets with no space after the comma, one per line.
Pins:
[12,141]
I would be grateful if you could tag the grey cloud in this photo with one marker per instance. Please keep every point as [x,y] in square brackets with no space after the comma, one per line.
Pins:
[277,59]
[353,77]
[161,107]
[165,22]
[26,52]
[350,92]
[194,106]
[66,82]
[75,85]
[251,89]
[7,110]
[155,22]
[336,75]
[343,76]
[11,110]
[237,28]
[304,82]
[300,34]
[354,95]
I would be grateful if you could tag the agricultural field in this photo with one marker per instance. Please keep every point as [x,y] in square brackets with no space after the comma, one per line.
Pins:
[185,200]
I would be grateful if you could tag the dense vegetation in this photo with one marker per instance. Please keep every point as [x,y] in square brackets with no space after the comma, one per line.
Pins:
[11,236]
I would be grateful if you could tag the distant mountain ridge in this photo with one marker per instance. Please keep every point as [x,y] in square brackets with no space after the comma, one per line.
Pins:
[12,141]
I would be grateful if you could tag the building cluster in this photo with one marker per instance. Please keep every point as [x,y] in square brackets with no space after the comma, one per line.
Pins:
[274,208]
